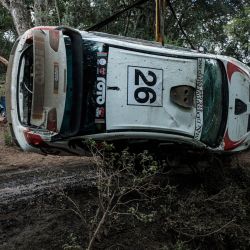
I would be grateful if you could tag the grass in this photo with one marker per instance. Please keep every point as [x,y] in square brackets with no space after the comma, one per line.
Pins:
[7,138]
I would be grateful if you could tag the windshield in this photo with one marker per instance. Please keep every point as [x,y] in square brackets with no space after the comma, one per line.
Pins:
[25,85]
[215,103]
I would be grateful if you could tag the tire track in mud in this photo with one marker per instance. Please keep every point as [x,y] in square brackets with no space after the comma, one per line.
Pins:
[30,185]
[29,214]
[24,175]
[24,184]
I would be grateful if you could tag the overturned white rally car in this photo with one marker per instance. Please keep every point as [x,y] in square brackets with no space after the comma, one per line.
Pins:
[66,86]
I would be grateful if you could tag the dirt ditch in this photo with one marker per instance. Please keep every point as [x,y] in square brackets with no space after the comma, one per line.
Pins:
[27,182]
[41,198]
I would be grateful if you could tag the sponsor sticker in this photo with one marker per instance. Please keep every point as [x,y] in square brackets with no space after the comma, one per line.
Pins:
[102,61]
[101,86]
[199,99]
[102,71]
[100,112]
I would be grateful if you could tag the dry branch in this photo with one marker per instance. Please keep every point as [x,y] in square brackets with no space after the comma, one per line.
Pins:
[3,61]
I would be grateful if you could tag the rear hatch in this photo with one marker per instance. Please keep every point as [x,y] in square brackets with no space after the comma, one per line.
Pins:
[141,89]
[49,79]
[41,81]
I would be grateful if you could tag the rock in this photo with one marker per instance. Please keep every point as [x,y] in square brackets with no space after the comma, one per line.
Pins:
[3,120]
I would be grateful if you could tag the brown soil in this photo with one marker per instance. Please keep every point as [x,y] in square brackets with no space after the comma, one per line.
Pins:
[13,157]
[28,179]
[208,211]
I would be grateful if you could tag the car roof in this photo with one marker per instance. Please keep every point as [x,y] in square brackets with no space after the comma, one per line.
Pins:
[140,44]
[140,41]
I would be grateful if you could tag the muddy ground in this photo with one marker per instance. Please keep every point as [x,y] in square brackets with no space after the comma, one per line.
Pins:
[40,197]
[28,182]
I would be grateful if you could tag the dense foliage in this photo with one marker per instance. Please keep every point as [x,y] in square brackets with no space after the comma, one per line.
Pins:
[220,26]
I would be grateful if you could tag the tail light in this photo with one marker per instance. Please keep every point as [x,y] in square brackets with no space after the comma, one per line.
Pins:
[52,120]
[33,139]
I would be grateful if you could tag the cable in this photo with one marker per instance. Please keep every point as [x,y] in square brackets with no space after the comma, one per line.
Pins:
[27,88]
[179,24]
[113,17]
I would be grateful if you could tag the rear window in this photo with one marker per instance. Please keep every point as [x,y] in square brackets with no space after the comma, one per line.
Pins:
[25,85]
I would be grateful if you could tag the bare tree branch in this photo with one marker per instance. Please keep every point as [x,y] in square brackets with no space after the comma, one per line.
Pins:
[101,222]
[3,61]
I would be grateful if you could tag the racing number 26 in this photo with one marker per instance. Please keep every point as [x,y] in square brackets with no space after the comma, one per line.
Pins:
[144,86]
[146,90]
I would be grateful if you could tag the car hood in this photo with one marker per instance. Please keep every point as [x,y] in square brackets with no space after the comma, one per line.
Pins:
[238,124]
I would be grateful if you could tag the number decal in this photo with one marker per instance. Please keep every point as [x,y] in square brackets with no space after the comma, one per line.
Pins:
[138,74]
[145,86]
[147,98]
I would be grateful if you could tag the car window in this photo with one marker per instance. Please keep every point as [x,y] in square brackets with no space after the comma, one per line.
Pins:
[90,50]
[212,102]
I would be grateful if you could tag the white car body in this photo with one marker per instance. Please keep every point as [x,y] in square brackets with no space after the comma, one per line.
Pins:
[143,91]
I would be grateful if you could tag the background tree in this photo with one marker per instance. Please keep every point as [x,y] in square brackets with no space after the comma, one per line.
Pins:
[220,26]
[7,36]
[238,36]
[19,10]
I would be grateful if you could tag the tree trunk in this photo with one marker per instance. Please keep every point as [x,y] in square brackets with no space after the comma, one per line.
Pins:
[57,12]
[20,14]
